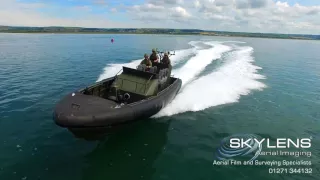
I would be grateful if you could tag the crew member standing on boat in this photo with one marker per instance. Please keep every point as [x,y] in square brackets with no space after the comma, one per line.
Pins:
[154,57]
[146,61]
[166,61]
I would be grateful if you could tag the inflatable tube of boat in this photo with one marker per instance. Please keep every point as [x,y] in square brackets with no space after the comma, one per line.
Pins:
[81,110]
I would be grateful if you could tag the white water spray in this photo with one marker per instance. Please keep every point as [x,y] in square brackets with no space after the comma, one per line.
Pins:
[197,64]
[225,85]
[238,76]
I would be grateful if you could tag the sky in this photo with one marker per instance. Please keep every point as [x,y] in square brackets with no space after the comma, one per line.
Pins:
[266,16]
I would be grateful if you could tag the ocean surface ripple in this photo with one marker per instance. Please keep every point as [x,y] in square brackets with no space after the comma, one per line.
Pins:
[268,87]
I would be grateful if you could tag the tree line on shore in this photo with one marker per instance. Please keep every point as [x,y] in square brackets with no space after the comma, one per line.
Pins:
[15,29]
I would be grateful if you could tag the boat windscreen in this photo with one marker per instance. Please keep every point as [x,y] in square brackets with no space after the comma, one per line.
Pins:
[143,74]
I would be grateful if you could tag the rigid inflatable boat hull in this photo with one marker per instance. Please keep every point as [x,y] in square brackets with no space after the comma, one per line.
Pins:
[86,115]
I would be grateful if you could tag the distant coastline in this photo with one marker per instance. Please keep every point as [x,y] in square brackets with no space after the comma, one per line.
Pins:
[79,30]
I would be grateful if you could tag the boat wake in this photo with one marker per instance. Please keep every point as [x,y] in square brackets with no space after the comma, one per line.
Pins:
[197,64]
[236,75]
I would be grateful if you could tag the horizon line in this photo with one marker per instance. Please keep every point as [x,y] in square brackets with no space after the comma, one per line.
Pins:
[158,28]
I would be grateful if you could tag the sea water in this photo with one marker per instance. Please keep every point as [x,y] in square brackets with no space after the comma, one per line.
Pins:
[268,87]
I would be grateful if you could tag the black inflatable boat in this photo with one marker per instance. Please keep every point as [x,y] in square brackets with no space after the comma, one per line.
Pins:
[131,95]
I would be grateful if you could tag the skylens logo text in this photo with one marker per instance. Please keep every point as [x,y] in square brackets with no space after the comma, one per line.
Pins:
[284,143]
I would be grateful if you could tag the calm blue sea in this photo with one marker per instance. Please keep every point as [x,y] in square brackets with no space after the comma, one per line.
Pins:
[267,87]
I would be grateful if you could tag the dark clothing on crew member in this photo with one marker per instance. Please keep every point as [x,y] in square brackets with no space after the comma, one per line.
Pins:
[154,57]
[166,60]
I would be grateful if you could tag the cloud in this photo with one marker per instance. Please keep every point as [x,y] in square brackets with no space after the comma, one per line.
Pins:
[113,10]
[100,2]
[223,2]
[197,4]
[166,2]
[219,17]
[147,8]
[255,4]
[152,13]
[228,15]
[83,8]
[180,12]
[258,3]
[14,13]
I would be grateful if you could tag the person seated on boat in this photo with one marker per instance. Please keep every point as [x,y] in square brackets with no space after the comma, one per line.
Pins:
[154,57]
[165,60]
[146,61]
